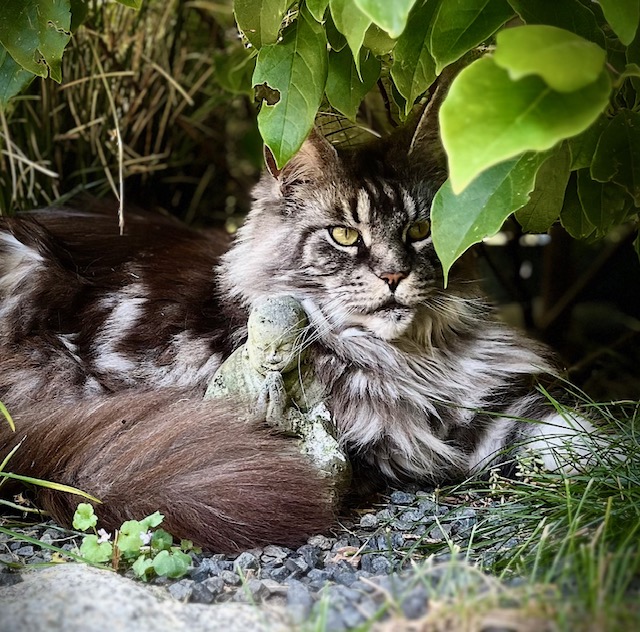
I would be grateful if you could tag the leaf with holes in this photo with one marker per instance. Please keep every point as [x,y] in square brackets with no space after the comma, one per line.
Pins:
[545,201]
[414,68]
[512,117]
[296,68]
[36,32]
[260,20]
[459,221]
[461,25]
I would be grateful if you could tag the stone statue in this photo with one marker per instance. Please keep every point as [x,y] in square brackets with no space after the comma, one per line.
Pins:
[272,373]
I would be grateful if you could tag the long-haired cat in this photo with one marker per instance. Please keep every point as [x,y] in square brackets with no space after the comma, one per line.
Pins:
[108,342]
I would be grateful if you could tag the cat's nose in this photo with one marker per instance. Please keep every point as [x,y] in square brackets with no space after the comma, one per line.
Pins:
[393,279]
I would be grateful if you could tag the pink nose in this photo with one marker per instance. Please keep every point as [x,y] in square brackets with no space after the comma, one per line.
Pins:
[393,279]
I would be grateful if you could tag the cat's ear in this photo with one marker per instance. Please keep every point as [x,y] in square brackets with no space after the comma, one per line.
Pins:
[313,161]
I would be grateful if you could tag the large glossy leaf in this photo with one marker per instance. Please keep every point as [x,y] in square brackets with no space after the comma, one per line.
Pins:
[460,25]
[414,68]
[35,32]
[604,203]
[617,155]
[345,89]
[566,61]
[459,221]
[296,68]
[390,15]
[571,15]
[13,78]
[623,16]
[487,118]
[545,201]
[260,20]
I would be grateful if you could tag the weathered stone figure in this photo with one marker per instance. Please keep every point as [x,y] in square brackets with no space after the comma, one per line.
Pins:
[271,374]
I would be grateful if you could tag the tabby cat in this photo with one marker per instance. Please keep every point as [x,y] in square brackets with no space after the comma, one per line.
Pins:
[108,342]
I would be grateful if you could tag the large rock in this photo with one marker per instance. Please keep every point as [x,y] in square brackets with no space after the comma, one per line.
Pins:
[78,598]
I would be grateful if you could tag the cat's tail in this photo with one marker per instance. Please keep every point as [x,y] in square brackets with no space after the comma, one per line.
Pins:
[221,482]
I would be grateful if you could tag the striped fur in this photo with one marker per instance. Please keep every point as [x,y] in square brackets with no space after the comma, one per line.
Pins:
[108,343]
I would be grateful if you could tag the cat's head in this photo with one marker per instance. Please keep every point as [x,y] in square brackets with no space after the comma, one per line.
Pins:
[346,232]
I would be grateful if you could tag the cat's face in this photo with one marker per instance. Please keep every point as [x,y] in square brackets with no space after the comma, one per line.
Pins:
[346,233]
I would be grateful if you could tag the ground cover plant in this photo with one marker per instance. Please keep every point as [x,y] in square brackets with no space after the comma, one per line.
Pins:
[179,125]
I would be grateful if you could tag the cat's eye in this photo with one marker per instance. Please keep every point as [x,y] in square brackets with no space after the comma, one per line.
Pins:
[419,230]
[344,236]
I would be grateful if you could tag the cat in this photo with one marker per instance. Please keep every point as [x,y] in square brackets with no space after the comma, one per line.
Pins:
[108,343]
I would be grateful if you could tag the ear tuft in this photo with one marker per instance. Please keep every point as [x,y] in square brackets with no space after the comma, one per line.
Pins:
[313,161]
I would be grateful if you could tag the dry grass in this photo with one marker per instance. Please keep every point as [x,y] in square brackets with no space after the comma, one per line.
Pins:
[140,114]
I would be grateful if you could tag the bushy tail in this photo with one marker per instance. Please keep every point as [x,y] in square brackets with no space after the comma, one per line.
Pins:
[222,482]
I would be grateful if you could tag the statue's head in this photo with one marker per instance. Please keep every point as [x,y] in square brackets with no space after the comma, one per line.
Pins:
[276,327]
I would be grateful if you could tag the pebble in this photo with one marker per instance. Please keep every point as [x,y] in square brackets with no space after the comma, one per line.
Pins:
[349,574]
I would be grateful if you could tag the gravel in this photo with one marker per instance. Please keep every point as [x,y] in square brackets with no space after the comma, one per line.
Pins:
[352,574]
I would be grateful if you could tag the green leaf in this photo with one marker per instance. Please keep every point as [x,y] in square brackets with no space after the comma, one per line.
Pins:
[571,15]
[617,155]
[171,564]
[378,41]
[50,485]
[297,68]
[545,202]
[95,552]
[129,537]
[584,145]
[414,68]
[460,25]
[510,118]
[352,23]
[79,11]
[234,70]
[134,4]
[565,61]
[337,40]
[390,16]
[161,540]
[152,521]
[186,545]
[605,204]
[142,567]
[317,8]
[260,20]
[5,413]
[623,17]
[345,90]
[572,216]
[84,518]
[459,221]
[35,32]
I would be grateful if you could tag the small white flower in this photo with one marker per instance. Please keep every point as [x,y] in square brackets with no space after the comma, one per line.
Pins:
[146,538]
[103,536]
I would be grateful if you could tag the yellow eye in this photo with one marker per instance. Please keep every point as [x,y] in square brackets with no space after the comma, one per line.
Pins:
[344,236]
[418,231]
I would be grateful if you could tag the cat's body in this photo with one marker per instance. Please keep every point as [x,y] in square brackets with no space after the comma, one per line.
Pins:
[423,383]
